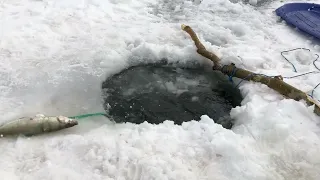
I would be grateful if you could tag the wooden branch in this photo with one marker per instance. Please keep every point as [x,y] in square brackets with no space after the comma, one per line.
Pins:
[275,83]
[200,47]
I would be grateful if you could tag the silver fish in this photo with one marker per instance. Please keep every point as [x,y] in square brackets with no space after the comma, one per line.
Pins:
[36,125]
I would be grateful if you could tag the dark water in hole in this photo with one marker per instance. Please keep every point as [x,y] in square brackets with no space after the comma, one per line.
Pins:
[155,93]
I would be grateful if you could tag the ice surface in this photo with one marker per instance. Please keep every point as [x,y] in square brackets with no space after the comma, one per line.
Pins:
[55,54]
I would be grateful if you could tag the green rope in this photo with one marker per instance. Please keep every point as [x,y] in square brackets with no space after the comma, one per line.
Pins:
[87,115]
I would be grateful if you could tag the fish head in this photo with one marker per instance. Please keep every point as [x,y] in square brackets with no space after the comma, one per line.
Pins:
[67,122]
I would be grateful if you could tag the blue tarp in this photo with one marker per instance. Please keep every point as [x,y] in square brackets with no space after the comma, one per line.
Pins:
[304,16]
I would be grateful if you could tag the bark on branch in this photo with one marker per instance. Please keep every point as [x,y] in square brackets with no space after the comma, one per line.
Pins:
[275,83]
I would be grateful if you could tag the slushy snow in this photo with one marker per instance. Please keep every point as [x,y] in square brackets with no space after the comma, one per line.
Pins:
[54,54]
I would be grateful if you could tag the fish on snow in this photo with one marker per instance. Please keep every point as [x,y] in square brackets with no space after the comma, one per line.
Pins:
[38,124]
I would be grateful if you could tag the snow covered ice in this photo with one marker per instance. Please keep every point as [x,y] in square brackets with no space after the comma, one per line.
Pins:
[54,54]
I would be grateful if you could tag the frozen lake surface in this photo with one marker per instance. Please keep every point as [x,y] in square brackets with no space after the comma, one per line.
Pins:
[56,53]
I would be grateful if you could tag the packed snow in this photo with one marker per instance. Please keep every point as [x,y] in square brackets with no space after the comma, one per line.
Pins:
[55,54]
